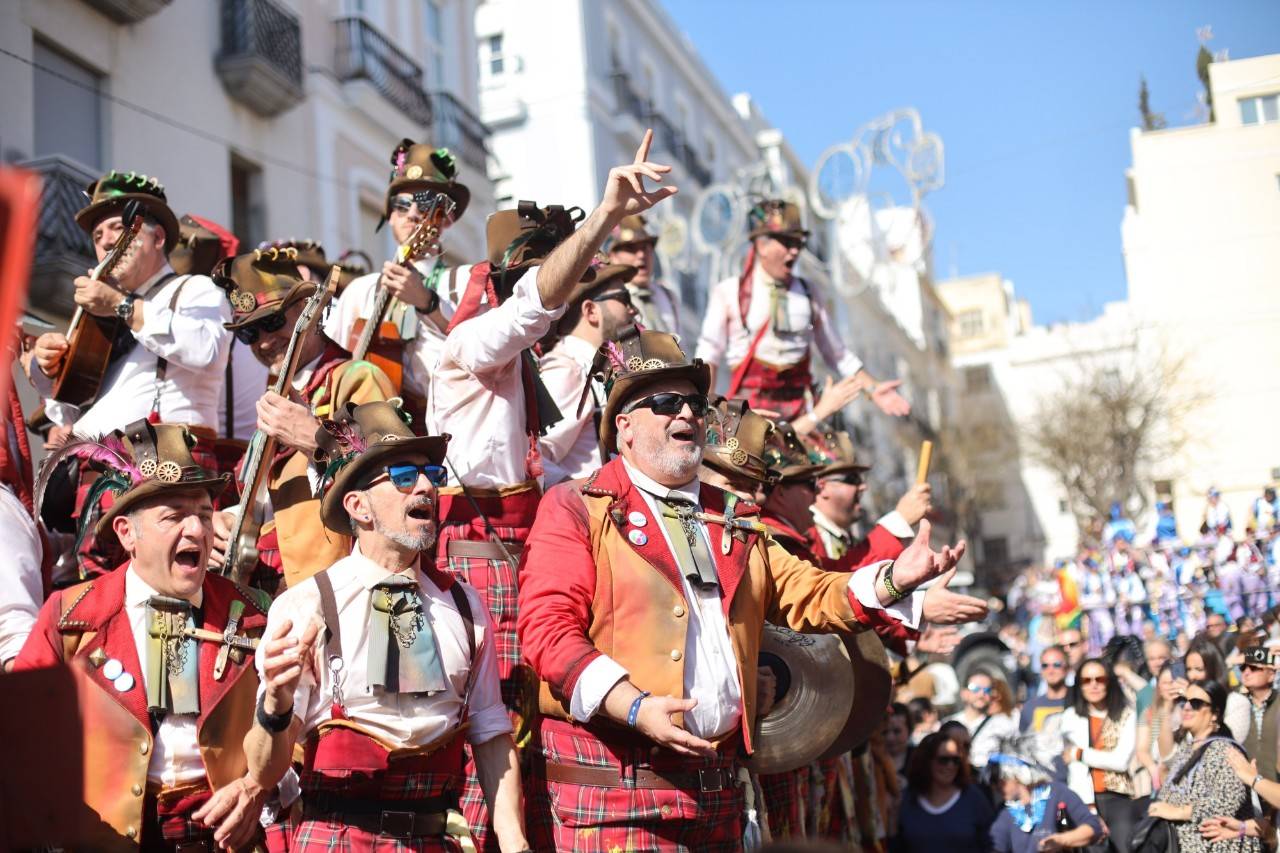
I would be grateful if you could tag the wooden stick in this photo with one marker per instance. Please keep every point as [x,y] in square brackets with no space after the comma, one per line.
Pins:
[926,454]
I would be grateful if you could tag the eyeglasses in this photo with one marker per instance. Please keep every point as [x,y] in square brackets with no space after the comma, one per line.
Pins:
[1097,679]
[847,479]
[266,325]
[1192,703]
[789,242]
[947,760]
[978,688]
[404,475]
[623,296]
[437,206]
[1256,667]
[1052,664]
[670,404]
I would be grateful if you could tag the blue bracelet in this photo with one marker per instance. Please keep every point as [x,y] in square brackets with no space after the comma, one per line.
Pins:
[635,709]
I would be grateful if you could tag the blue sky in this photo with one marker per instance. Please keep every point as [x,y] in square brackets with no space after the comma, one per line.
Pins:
[1033,101]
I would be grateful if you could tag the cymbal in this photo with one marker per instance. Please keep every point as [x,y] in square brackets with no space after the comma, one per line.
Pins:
[872,690]
[815,698]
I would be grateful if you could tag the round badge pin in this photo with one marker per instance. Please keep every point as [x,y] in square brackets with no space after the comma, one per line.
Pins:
[637,518]
[112,669]
[637,537]
[124,683]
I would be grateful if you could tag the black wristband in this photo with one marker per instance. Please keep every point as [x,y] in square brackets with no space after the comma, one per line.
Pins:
[274,723]
[433,301]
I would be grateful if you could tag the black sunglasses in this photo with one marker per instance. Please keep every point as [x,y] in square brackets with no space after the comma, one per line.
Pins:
[670,404]
[623,296]
[404,475]
[1192,703]
[947,759]
[267,325]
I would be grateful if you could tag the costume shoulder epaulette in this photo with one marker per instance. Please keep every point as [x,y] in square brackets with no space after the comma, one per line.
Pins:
[257,597]
[75,594]
[589,487]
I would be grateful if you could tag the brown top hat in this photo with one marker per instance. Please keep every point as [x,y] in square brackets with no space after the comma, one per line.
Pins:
[416,167]
[310,255]
[199,247]
[353,264]
[109,194]
[775,216]
[160,462]
[626,366]
[260,283]
[522,238]
[787,455]
[598,278]
[358,441]
[736,441]
[630,231]
[834,448]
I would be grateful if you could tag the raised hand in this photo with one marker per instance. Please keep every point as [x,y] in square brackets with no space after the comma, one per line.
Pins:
[920,564]
[624,191]
[97,297]
[889,401]
[406,284]
[944,607]
[935,640]
[916,503]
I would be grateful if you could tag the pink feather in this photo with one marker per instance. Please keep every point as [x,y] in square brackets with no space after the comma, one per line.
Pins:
[346,435]
[107,453]
[615,355]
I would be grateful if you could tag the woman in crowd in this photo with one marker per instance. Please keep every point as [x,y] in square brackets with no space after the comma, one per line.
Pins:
[924,719]
[1100,733]
[897,740]
[1224,828]
[942,809]
[1202,788]
[1205,663]
[1032,801]
[1153,720]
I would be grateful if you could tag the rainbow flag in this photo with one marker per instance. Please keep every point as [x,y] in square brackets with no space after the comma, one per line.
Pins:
[1068,613]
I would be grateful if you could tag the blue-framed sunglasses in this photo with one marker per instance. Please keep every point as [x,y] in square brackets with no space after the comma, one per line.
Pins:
[404,475]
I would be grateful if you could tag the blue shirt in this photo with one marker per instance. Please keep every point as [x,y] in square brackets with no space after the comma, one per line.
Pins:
[1007,838]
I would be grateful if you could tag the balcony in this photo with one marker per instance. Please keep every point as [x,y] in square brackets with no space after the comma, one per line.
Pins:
[629,100]
[128,11]
[363,53]
[455,127]
[63,251]
[260,60]
[666,137]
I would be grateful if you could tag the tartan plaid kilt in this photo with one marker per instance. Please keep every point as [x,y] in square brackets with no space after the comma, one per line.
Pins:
[167,821]
[785,798]
[837,782]
[594,819]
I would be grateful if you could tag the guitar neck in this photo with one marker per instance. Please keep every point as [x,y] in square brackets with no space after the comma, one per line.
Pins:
[381,298]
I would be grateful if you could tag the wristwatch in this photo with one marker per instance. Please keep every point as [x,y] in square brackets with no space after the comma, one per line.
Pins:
[1256,780]
[274,723]
[124,310]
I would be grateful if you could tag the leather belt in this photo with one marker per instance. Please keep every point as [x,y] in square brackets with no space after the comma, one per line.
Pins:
[390,822]
[485,550]
[707,780]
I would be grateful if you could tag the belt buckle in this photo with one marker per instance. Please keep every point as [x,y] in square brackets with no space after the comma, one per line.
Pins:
[396,824]
[710,780]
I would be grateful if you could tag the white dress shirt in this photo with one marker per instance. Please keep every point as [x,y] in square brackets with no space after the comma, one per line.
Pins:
[570,448]
[190,336]
[724,337]
[988,739]
[830,532]
[661,313]
[711,669]
[248,384]
[422,349]
[22,588]
[175,760]
[404,719]
[477,393]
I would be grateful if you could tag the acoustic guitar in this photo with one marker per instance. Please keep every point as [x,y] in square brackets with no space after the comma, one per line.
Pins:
[91,339]
[242,541]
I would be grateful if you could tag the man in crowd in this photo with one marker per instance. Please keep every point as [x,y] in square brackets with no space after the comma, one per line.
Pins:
[643,598]
[1072,642]
[267,295]
[657,306]
[164,710]
[1053,698]
[170,349]
[383,664]
[1156,652]
[1258,674]
[599,309]
[767,321]
[1215,625]
[985,727]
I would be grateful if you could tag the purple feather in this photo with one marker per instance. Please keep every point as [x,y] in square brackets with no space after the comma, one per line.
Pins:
[107,453]
[615,356]
[346,435]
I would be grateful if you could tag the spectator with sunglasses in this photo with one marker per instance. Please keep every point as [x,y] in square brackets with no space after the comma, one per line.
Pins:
[1258,675]
[1054,698]
[1100,732]
[979,715]
[599,309]
[267,295]
[942,809]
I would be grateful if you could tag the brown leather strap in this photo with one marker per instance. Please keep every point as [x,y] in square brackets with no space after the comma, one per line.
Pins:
[486,550]
[391,822]
[707,780]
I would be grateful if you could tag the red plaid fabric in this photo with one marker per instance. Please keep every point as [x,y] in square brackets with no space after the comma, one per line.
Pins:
[166,821]
[833,819]
[779,390]
[785,798]
[592,819]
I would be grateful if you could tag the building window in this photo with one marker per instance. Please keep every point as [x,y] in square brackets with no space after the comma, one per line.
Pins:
[1262,109]
[970,323]
[495,54]
[435,44]
[977,378]
[248,207]
[68,114]
[995,551]
[435,22]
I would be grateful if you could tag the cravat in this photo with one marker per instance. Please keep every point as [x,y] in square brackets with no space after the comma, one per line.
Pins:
[403,656]
[687,541]
[778,306]
[642,297]
[173,657]
[839,546]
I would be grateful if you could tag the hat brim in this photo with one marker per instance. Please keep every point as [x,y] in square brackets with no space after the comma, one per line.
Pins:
[332,513]
[843,468]
[155,489]
[460,194]
[721,459]
[790,232]
[799,473]
[300,291]
[87,217]
[699,373]
[651,240]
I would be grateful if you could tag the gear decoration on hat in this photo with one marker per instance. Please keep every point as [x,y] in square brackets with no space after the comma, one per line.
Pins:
[732,443]
[242,301]
[147,468]
[654,364]
[635,363]
[168,471]
[413,172]
[738,456]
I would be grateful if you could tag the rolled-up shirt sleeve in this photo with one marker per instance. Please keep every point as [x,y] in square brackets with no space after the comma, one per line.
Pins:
[496,337]
[600,676]
[190,334]
[907,610]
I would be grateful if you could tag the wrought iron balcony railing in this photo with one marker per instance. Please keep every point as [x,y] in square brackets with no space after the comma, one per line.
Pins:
[457,128]
[628,99]
[63,250]
[260,59]
[365,54]
[666,136]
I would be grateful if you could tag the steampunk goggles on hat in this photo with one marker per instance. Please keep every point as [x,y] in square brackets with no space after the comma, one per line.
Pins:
[436,207]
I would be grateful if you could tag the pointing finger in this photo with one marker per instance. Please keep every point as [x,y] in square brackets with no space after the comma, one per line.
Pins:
[642,153]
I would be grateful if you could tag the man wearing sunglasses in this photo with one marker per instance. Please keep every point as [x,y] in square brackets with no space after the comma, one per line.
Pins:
[1258,675]
[599,310]
[643,597]
[267,295]
[423,189]
[383,664]
[766,323]
[1052,698]
[986,728]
